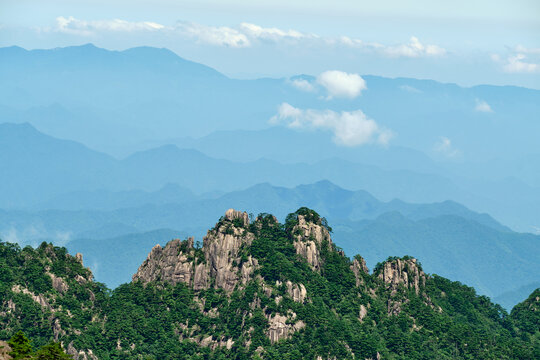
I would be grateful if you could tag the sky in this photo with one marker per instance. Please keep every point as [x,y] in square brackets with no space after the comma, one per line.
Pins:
[464,42]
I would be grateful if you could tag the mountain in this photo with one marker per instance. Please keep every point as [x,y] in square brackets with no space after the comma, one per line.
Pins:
[40,166]
[509,298]
[257,289]
[113,260]
[297,147]
[74,177]
[66,167]
[452,240]
[449,245]
[527,315]
[70,92]
[111,200]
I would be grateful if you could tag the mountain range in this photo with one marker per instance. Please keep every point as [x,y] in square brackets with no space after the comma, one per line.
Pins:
[449,237]
[139,146]
[256,288]
[67,168]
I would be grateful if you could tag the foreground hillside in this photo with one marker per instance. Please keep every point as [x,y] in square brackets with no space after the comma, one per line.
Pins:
[257,289]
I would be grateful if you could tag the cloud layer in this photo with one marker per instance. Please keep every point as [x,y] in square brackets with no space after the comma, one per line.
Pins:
[352,128]
[71,25]
[240,36]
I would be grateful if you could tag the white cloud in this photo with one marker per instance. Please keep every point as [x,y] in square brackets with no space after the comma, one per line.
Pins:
[414,49]
[244,35]
[444,146]
[516,64]
[222,36]
[482,106]
[302,84]
[272,34]
[341,84]
[519,59]
[71,25]
[352,128]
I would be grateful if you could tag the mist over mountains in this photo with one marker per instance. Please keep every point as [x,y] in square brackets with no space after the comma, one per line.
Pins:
[105,149]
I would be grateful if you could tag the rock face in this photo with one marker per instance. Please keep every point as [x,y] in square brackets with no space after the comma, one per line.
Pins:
[363,313]
[282,326]
[309,238]
[401,272]
[221,248]
[217,264]
[58,283]
[297,292]
[405,272]
[40,298]
[80,355]
[4,350]
[174,263]
[359,269]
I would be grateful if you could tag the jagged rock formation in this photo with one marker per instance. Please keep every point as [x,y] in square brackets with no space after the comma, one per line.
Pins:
[58,283]
[404,272]
[218,261]
[309,237]
[38,298]
[221,248]
[282,326]
[175,263]
[359,269]
[297,292]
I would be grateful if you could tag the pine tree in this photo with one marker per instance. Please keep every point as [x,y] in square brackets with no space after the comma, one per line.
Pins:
[20,346]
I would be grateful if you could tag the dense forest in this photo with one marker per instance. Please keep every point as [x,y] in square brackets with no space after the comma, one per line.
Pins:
[256,289]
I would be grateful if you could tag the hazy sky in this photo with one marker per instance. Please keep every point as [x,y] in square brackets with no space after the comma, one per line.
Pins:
[468,42]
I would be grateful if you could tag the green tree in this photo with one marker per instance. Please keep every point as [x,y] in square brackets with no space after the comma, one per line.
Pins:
[20,346]
[52,351]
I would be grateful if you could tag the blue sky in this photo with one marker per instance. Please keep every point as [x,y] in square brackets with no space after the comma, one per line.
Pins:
[467,42]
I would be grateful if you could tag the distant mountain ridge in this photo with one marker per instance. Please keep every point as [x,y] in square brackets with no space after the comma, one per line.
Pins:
[69,167]
[125,101]
[128,87]
[65,166]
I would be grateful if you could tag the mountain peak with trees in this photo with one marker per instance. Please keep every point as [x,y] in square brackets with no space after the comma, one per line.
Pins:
[256,289]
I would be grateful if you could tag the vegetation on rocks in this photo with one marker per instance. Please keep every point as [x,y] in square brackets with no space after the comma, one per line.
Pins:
[257,289]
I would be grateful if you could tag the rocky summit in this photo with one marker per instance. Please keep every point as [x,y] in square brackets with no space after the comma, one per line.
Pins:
[257,289]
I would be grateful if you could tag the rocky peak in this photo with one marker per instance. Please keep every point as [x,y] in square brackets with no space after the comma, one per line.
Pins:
[402,271]
[309,236]
[174,263]
[221,247]
[232,215]
[359,269]
[219,262]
